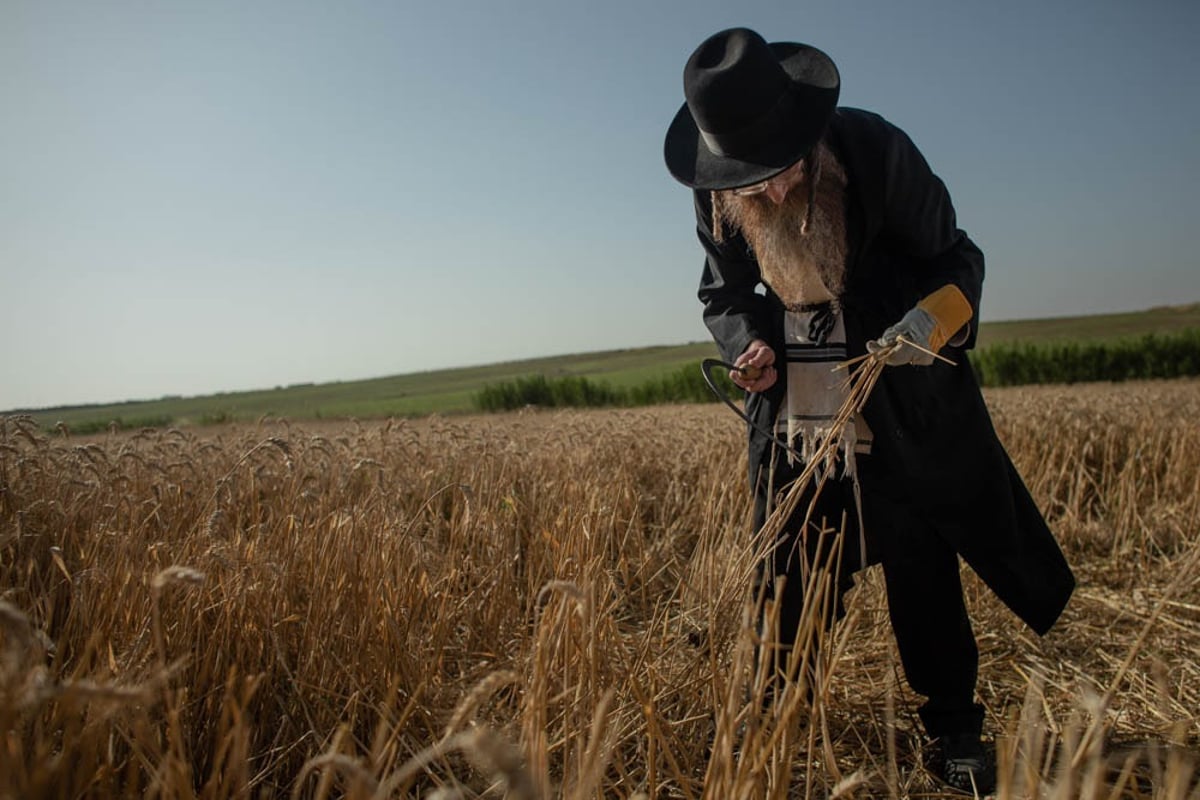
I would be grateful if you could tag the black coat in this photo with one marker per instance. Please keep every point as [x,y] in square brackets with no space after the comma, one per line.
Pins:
[933,436]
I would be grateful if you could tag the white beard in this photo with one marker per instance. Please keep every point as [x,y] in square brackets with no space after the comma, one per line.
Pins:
[801,268]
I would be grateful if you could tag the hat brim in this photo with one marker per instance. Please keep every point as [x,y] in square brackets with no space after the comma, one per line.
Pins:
[693,164]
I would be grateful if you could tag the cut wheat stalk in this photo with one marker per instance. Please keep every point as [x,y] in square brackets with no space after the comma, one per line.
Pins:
[864,373]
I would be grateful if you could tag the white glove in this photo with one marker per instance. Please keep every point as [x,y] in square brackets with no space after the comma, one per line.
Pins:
[916,326]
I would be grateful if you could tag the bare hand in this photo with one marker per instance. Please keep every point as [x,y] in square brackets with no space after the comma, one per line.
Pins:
[755,368]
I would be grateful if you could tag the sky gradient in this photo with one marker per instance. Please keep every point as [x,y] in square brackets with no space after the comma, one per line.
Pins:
[212,196]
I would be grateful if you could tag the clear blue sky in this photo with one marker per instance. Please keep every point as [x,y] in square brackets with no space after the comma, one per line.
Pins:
[219,195]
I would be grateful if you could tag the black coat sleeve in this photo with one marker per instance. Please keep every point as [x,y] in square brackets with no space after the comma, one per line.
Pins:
[920,222]
[734,311]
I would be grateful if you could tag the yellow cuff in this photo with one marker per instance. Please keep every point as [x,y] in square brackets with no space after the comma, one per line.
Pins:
[950,310]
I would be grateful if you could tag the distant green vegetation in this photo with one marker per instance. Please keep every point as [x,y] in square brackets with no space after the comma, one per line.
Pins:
[617,377]
[117,423]
[1150,356]
[1014,364]
[1098,327]
[684,385]
[1007,364]
[448,391]
[538,390]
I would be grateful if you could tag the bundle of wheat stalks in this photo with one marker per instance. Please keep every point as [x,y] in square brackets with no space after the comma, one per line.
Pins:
[549,605]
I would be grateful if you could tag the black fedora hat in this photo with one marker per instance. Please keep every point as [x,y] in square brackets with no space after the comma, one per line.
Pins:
[753,109]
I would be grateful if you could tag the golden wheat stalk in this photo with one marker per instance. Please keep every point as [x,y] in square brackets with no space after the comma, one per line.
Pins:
[864,373]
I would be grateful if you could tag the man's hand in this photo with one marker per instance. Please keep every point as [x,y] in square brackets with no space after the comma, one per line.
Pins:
[915,326]
[941,317]
[755,368]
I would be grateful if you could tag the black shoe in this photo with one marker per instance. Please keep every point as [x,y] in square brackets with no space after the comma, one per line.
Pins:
[965,764]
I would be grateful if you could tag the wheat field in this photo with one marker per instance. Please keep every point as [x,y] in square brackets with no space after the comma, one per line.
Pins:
[554,605]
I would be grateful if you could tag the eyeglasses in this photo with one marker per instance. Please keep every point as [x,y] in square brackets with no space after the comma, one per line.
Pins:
[789,175]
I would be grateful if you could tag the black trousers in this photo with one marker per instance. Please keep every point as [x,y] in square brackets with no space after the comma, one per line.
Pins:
[921,572]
